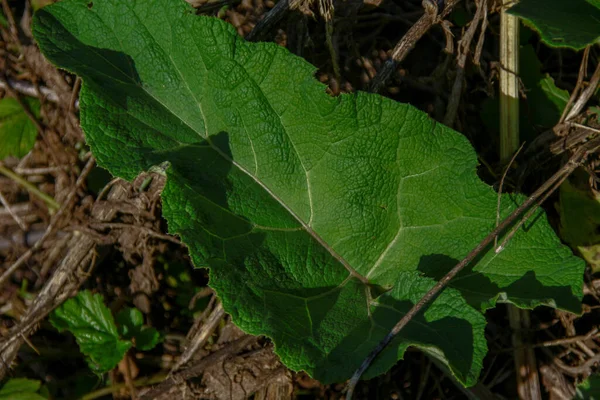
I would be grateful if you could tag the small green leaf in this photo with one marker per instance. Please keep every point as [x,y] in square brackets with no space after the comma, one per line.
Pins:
[20,389]
[589,389]
[131,321]
[17,132]
[561,23]
[147,338]
[92,324]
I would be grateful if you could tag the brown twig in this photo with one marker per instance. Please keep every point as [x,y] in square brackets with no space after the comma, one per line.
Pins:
[270,19]
[74,102]
[29,89]
[201,336]
[585,95]
[195,370]
[11,20]
[408,41]
[461,60]
[565,171]
[501,187]
[579,85]
[53,223]
[13,214]
[144,229]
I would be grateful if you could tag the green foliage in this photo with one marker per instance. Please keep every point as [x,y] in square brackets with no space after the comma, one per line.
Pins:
[572,24]
[17,132]
[93,326]
[589,389]
[131,327]
[20,389]
[321,219]
[579,210]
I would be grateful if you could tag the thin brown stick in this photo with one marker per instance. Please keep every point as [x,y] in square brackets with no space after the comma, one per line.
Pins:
[146,230]
[408,41]
[565,171]
[52,226]
[270,19]
[29,89]
[573,339]
[585,95]
[13,214]
[11,20]
[461,60]
[74,103]
[201,336]
[501,187]
[579,85]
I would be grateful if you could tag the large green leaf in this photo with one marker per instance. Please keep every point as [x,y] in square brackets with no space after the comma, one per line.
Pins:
[93,326]
[572,23]
[306,207]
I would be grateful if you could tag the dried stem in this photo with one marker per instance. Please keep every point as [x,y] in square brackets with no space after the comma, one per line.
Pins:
[408,41]
[51,227]
[585,95]
[50,202]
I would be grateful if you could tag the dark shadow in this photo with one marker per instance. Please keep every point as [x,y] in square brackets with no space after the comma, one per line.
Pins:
[474,286]
[477,289]
[453,336]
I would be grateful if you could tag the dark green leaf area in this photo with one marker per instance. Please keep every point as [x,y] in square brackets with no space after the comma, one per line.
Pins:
[93,326]
[572,24]
[589,389]
[304,206]
[130,323]
[20,389]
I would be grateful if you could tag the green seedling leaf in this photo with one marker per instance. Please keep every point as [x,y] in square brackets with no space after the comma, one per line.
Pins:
[17,132]
[589,389]
[93,326]
[322,219]
[131,327]
[572,24]
[20,389]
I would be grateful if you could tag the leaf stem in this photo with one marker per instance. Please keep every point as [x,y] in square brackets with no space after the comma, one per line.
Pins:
[546,188]
[50,202]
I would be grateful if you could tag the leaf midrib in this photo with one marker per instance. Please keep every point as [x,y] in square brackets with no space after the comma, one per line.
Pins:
[306,227]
